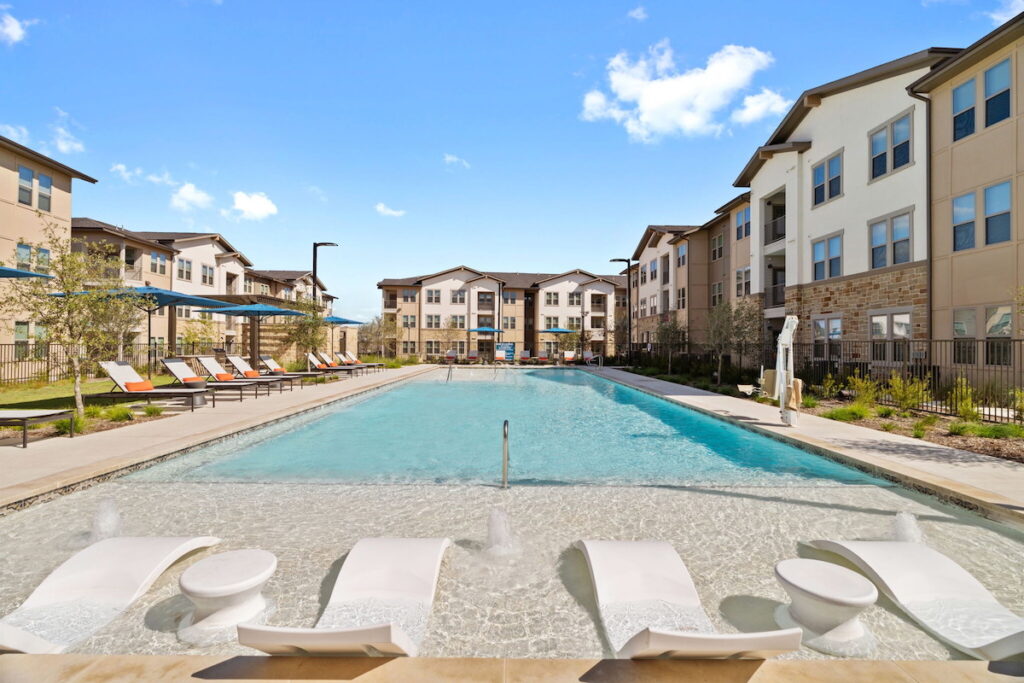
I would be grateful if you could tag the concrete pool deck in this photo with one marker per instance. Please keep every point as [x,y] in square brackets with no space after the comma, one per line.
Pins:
[992,486]
[57,465]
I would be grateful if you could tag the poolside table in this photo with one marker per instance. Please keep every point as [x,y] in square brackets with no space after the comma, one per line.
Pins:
[24,418]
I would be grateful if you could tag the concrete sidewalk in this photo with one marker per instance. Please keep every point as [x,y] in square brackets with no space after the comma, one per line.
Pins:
[993,486]
[52,465]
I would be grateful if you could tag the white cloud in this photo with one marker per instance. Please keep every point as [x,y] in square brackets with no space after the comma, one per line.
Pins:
[1006,10]
[385,210]
[188,197]
[763,104]
[16,133]
[63,139]
[13,30]
[250,206]
[650,98]
[162,179]
[317,192]
[452,159]
[128,175]
[638,13]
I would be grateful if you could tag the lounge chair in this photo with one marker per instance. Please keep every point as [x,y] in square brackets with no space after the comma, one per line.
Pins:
[568,357]
[450,356]
[650,607]
[130,384]
[473,356]
[345,360]
[379,605]
[183,372]
[90,589]
[937,593]
[543,357]
[245,370]
[24,418]
[589,357]
[213,366]
[352,357]
[273,366]
[524,356]
[325,363]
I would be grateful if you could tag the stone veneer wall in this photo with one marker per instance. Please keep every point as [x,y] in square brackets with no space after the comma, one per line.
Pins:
[853,296]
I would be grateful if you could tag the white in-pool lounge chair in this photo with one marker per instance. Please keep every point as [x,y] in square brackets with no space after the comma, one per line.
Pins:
[650,607]
[90,589]
[379,605]
[245,370]
[123,375]
[451,355]
[589,357]
[524,356]
[183,372]
[215,369]
[472,356]
[937,593]
[568,357]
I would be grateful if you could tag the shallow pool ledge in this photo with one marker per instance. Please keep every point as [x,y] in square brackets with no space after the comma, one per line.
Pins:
[990,486]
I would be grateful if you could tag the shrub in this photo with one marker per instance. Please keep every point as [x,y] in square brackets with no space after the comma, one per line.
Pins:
[921,426]
[153,411]
[850,413]
[885,411]
[1017,402]
[94,411]
[64,426]
[865,389]
[119,414]
[887,426]
[958,428]
[961,400]
[987,431]
[918,432]
[929,420]
[810,402]
[762,399]
[908,393]
[829,387]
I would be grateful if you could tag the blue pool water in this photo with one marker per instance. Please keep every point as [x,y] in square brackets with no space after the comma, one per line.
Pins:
[567,427]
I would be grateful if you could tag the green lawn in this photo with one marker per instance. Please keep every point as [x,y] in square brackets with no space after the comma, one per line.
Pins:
[56,394]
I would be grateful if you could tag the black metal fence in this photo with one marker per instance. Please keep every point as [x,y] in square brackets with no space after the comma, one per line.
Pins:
[989,372]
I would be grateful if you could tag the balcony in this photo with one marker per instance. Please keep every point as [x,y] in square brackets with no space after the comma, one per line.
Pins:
[391,304]
[775,295]
[775,229]
[485,305]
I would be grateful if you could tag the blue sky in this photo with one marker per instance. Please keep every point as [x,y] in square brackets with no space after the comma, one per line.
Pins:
[514,136]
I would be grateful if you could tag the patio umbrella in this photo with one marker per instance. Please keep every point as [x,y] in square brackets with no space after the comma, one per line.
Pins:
[14,272]
[486,330]
[557,330]
[333,320]
[256,313]
[160,298]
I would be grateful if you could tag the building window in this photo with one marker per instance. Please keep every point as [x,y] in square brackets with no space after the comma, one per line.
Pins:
[643,308]
[158,264]
[550,322]
[997,93]
[408,347]
[207,275]
[551,298]
[827,179]
[890,147]
[508,322]
[643,275]
[508,297]
[963,110]
[458,296]
[433,347]
[42,260]
[717,295]
[458,321]
[654,305]
[890,336]
[828,332]
[264,287]
[409,296]
[742,223]
[681,298]
[997,213]
[408,321]
[45,192]
[433,322]
[965,334]
[681,255]
[485,321]
[963,222]
[23,255]
[654,270]
[20,340]
[717,246]
[183,311]
[597,302]
[743,282]
[828,257]
[621,301]
[890,241]
[25,176]
[575,298]
[574,323]
[433,296]
[184,269]
[998,330]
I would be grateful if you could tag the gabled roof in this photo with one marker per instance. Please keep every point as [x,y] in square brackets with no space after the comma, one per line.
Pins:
[810,99]
[508,280]
[24,151]
[742,198]
[575,271]
[653,234]
[286,276]
[970,55]
[173,237]
[93,225]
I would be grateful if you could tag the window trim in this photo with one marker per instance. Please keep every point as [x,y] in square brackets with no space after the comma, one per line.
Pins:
[887,219]
[889,339]
[826,344]
[720,248]
[842,254]
[841,153]
[1009,89]
[985,215]
[887,126]
[721,293]
[973,80]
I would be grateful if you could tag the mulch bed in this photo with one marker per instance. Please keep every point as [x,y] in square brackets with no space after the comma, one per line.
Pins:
[12,435]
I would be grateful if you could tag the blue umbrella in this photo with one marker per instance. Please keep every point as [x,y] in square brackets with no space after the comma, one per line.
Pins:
[557,330]
[335,320]
[487,330]
[256,313]
[14,272]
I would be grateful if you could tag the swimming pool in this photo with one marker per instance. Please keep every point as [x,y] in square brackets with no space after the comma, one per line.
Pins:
[566,427]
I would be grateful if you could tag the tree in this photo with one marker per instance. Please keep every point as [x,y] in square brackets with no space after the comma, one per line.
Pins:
[379,333]
[669,334]
[198,331]
[748,325]
[621,335]
[449,333]
[721,331]
[93,313]
[308,332]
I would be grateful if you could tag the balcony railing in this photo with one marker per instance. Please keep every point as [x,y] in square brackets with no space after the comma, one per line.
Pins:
[775,229]
[390,304]
[775,296]
[485,306]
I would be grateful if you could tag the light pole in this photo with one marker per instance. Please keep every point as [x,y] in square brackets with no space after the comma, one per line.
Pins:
[629,305]
[316,299]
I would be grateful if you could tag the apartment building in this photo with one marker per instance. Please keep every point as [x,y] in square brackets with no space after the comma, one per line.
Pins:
[975,103]
[654,279]
[839,208]
[289,285]
[434,313]
[35,191]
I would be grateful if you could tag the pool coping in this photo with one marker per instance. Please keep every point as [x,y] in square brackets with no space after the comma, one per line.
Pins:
[989,504]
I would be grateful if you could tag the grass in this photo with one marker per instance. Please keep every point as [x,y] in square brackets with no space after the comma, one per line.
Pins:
[885,411]
[887,426]
[810,402]
[56,395]
[988,431]
[153,411]
[850,413]
[119,414]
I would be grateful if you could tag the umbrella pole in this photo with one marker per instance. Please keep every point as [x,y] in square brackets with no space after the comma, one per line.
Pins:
[253,348]
[149,342]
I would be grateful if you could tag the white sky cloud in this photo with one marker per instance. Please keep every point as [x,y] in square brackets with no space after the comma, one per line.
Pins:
[385,210]
[638,13]
[1006,10]
[162,179]
[16,133]
[63,139]
[188,197]
[13,30]
[317,192]
[251,206]
[651,99]
[762,105]
[452,159]
[128,175]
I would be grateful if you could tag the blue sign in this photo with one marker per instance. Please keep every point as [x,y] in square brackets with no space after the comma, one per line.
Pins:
[506,348]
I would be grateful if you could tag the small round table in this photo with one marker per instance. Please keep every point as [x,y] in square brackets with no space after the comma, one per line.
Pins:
[226,590]
[826,603]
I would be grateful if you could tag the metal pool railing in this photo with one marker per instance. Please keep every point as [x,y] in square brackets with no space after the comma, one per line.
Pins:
[504,455]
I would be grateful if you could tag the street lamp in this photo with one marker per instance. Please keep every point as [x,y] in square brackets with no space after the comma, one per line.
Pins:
[629,305]
[317,245]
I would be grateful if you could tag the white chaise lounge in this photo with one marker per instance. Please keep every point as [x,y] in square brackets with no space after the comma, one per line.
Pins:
[650,608]
[215,369]
[937,593]
[124,376]
[379,605]
[245,370]
[90,589]
[183,372]
[352,357]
